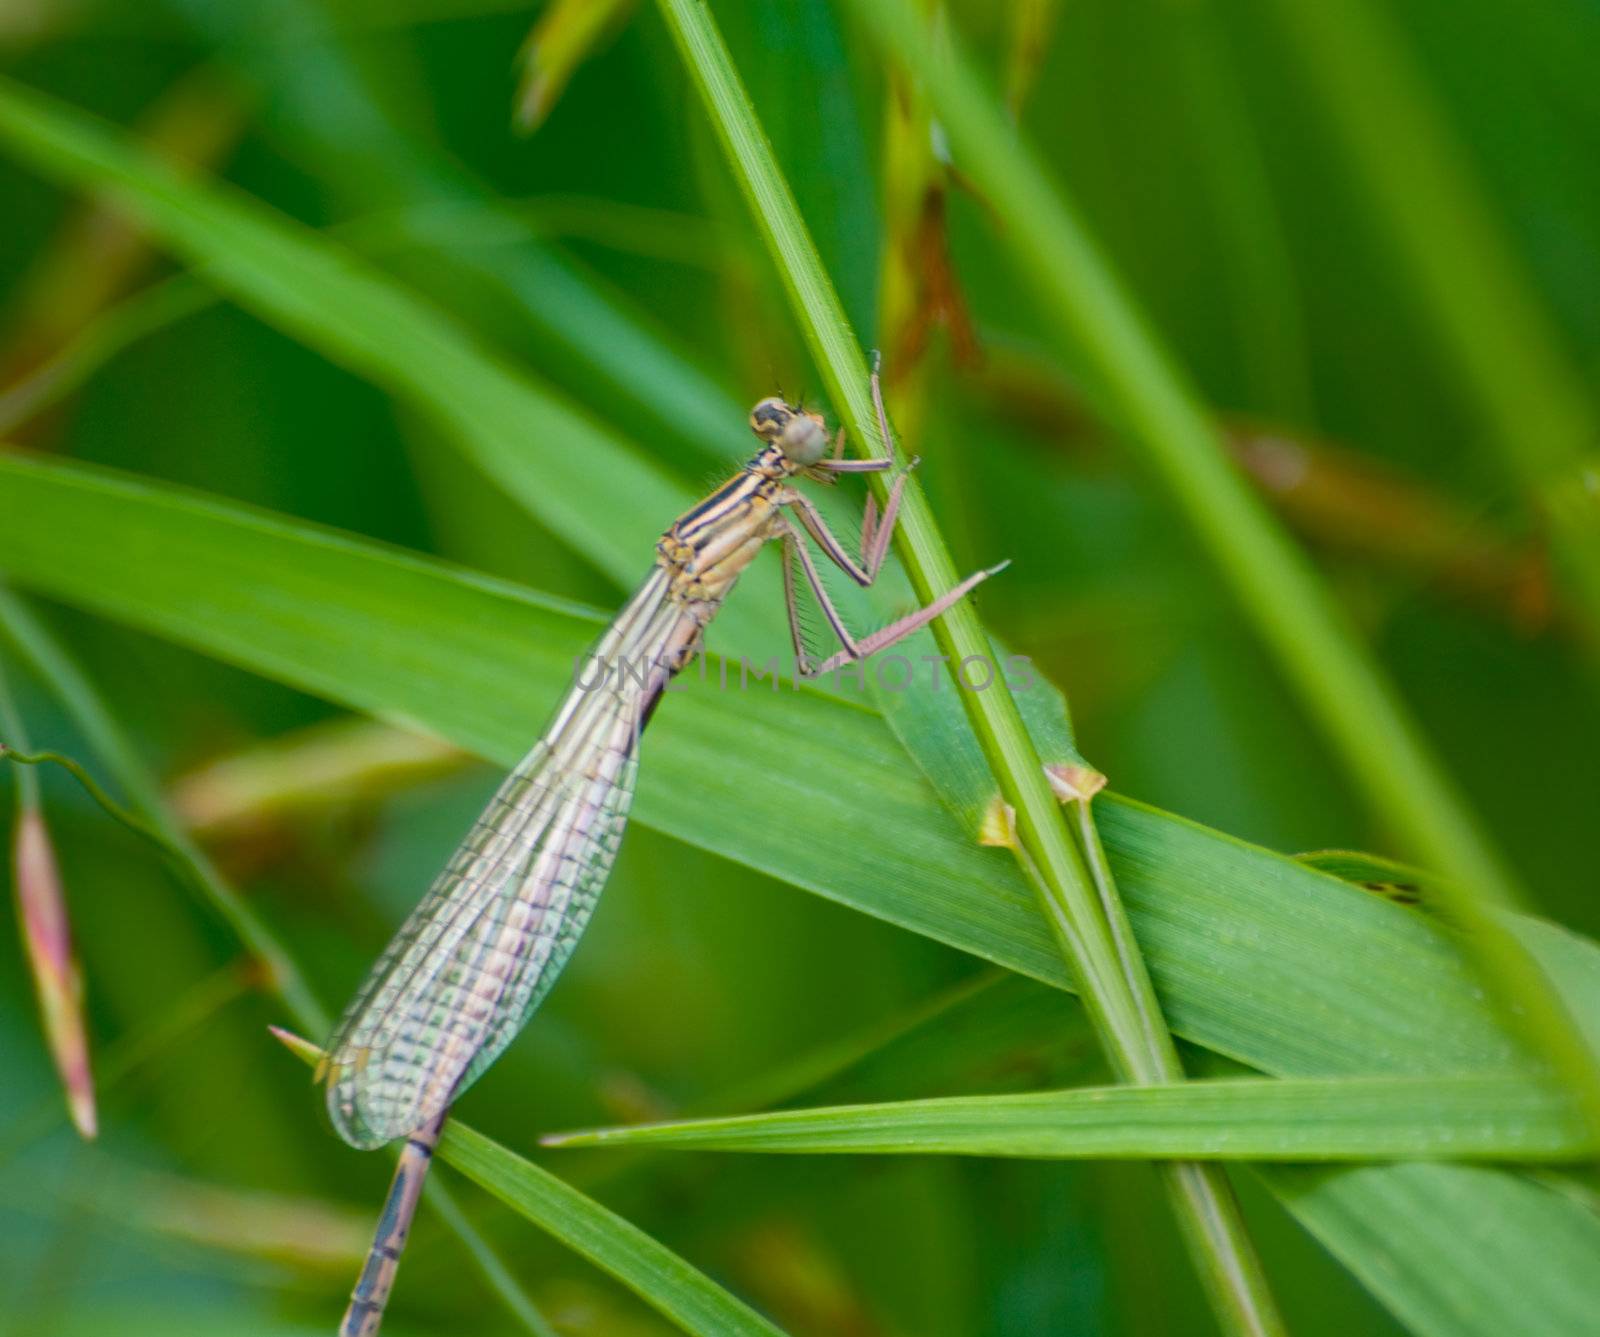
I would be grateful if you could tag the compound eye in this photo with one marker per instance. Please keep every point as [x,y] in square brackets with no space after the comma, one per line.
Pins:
[769,418]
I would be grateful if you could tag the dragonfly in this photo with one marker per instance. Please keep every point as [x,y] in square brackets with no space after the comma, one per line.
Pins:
[476,957]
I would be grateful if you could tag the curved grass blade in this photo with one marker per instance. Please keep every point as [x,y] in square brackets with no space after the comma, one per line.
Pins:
[321,293]
[563,37]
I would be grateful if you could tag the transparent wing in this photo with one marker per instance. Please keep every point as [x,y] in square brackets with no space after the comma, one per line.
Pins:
[487,942]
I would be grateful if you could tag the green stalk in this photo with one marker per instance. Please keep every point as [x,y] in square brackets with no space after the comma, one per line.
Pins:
[1421,189]
[1142,391]
[1111,976]
[1208,1213]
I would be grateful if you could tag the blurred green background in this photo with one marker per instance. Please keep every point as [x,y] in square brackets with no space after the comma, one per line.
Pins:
[1209,165]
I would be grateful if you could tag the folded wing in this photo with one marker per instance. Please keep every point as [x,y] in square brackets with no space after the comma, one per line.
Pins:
[476,957]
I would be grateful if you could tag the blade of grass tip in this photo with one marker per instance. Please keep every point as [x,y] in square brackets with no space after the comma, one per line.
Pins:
[47,931]
[1122,1005]
[1143,391]
[278,971]
[1032,22]
[1421,188]
[974,1036]
[1462,1118]
[564,36]
[653,1272]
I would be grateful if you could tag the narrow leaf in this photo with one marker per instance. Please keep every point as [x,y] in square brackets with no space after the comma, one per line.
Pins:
[1351,1118]
[657,1275]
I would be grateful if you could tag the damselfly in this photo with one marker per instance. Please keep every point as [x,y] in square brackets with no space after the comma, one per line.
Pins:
[480,952]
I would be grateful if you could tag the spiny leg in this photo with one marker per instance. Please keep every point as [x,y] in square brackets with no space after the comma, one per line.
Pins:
[898,630]
[875,534]
[797,635]
[884,434]
[875,537]
[874,554]
[794,545]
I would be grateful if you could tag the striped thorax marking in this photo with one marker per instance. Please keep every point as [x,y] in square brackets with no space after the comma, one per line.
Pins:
[710,544]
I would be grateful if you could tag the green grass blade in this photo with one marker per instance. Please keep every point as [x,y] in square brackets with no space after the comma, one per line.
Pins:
[1143,391]
[657,1275]
[1349,1118]
[547,453]
[1455,1250]
[1311,976]
[327,105]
